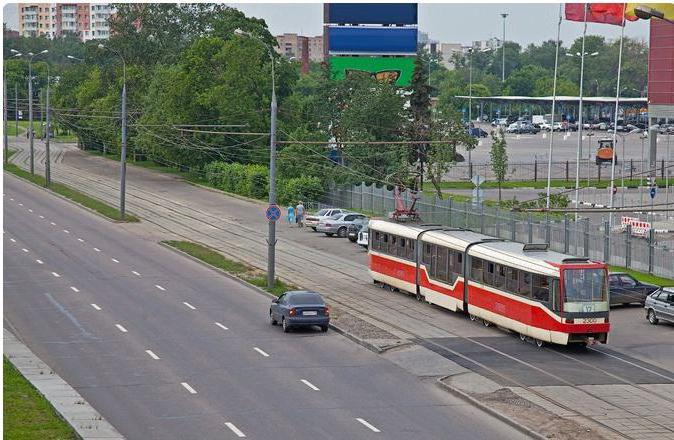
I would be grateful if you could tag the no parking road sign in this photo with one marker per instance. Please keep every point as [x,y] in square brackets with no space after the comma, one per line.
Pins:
[273,213]
[653,191]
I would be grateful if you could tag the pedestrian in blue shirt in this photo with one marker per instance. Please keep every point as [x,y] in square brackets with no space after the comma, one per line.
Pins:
[291,215]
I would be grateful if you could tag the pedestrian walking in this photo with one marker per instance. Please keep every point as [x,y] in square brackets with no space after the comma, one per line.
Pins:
[291,215]
[299,213]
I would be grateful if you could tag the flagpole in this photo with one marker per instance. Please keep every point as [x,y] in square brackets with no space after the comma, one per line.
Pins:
[615,121]
[552,116]
[580,109]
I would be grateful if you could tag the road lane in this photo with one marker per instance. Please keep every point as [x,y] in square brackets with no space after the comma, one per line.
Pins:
[261,396]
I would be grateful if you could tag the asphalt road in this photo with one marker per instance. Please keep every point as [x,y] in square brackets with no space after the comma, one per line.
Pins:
[166,348]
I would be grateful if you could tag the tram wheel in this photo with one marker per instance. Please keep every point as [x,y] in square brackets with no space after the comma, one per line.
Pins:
[486,323]
[523,337]
[418,296]
[391,288]
[473,317]
[539,343]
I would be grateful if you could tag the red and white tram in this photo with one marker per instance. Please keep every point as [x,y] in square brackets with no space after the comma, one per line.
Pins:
[545,295]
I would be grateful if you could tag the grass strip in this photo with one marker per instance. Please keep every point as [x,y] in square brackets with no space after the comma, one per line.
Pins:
[247,273]
[644,277]
[72,194]
[26,414]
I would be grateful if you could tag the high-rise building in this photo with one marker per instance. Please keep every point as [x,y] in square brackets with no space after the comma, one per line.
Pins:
[85,20]
[293,45]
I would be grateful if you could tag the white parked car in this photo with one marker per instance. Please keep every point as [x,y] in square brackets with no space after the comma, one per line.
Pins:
[312,220]
[363,237]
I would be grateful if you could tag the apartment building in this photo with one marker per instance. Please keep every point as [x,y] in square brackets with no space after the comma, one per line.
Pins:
[85,20]
[297,46]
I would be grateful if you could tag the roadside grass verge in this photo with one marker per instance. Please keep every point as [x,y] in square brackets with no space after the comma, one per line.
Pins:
[644,277]
[72,194]
[246,273]
[26,414]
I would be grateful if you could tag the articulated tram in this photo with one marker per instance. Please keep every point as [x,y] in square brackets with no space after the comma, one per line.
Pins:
[538,293]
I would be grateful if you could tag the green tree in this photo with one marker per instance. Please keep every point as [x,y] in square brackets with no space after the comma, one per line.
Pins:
[522,81]
[499,159]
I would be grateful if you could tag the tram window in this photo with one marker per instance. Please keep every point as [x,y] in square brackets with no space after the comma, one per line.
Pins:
[455,265]
[392,249]
[410,250]
[489,273]
[476,269]
[555,293]
[402,248]
[499,276]
[427,254]
[512,278]
[441,263]
[525,284]
[384,243]
[541,288]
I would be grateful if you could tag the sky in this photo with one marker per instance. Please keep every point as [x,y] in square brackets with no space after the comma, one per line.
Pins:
[445,22]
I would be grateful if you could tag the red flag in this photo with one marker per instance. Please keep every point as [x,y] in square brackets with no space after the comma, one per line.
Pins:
[609,13]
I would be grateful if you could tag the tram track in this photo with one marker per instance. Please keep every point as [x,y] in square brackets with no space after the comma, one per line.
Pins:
[157,206]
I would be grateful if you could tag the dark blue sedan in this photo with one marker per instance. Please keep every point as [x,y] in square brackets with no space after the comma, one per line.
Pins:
[299,308]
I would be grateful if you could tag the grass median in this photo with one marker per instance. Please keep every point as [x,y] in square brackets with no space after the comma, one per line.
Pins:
[247,273]
[26,414]
[644,277]
[70,193]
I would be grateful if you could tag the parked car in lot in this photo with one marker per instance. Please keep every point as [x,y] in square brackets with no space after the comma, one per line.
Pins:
[625,289]
[312,220]
[339,223]
[478,132]
[660,305]
[299,308]
[364,236]
[354,228]
[522,127]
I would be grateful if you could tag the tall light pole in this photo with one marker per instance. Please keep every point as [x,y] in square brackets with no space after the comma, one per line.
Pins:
[552,113]
[271,239]
[5,109]
[122,178]
[47,163]
[504,15]
[31,134]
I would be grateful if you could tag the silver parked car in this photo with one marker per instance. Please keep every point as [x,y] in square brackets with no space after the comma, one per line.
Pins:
[660,305]
[312,220]
[339,224]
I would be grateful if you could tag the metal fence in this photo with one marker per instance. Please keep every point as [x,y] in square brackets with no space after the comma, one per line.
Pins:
[566,170]
[583,238]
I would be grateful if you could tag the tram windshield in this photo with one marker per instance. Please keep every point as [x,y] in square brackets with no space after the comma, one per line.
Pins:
[585,285]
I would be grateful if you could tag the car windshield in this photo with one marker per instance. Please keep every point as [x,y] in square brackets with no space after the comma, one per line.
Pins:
[584,285]
[322,212]
[305,298]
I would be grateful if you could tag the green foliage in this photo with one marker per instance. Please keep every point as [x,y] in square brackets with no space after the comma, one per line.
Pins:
[246,180]
[499,158]
[303,188]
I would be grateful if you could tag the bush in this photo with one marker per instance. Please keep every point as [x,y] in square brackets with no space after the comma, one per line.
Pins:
[245,180]
[257,177]
[300,188]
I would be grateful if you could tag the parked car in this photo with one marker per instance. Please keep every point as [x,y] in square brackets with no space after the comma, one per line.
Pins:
[499,122]
[660,305]
[625,289]
[339,224]
[478,132]
[299,308]
[522,127]
[354,228]
[312,220]
[364,236]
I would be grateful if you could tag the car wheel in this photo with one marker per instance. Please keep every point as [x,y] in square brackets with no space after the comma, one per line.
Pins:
[324,328]
[285,325]
[352,240]
[271,319]
[652,318]
[329,234]
[341,232]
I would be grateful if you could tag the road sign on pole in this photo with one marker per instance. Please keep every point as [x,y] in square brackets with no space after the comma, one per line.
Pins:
[477,180]
[273,213]
[653,191]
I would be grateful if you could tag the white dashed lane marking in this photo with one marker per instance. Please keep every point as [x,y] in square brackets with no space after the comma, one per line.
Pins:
[121,329]
[310,385]
[20,204]
[189,305]
[52,223]
[95,306]
[365,423]
[97,249]
[30,210]
[159,287]
[42,217]
[56,275]
[261,352]
[221,326]
[39,261]
[152,355]
[80,240]
[66,231]
[235,430]
[188,387]
[12,240]
[24,249]
[115,260]
[135,273]
[74,289]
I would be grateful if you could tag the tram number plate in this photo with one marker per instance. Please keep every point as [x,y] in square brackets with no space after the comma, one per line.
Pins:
[589,320]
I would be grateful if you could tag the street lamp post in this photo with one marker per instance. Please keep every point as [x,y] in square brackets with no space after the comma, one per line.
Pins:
[47,163]
[122,179]
[271,239]
[504,15]
[31,133]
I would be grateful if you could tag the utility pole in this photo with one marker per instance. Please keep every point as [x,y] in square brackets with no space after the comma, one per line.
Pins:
[16,109]
[30,116]
[47,160]
[580,113]
[504,15]
[271,251]
[39,105]
[4,103]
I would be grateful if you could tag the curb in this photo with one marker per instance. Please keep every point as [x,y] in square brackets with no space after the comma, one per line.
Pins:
[244,283]
[88,423]
[72,202]
[473,401]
